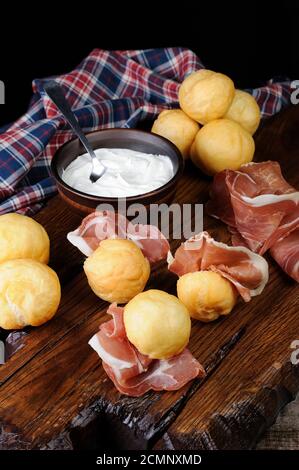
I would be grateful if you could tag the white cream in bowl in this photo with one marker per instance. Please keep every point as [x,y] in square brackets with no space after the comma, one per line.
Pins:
[128,173]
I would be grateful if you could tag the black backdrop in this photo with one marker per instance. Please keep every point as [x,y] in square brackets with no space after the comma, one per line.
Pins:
[250,44]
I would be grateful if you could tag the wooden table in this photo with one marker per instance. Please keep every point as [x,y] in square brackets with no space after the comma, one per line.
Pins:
[54,393]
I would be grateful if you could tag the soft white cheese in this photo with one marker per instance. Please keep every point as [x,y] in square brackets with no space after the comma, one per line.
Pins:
[128,173]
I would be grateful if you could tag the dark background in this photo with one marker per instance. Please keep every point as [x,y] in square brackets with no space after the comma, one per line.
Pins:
[251,44]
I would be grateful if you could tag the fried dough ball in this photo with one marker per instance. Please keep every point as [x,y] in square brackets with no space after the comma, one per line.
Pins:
[29,293]
[206,95]
[23,237]
[177,127]
[244,110]
[117,270]
[157,324]
[222,144]
[206,294]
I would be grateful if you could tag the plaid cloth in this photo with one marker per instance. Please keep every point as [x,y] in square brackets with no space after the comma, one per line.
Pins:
[108,89]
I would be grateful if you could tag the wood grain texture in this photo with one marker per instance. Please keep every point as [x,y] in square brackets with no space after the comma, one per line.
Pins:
[55,394]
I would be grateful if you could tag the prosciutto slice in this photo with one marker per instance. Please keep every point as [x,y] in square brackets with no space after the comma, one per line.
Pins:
[286,254]
[257,202]
[171,374]
[261,210]
[114,348]
[134,373]
[100,226]
[243,268]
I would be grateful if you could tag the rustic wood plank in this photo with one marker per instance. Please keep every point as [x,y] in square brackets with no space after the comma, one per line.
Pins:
[54,393]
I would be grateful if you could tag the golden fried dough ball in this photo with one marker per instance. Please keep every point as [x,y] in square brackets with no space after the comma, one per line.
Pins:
[29,293]
[222,144]
[23,237]
[205,95]
[117,270]
[244,110]
[206,294]
[177,127]
[157,324]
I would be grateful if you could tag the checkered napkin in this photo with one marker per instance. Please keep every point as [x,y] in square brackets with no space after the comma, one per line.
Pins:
[108,89]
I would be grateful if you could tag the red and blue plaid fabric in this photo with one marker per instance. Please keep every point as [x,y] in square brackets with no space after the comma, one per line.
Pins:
[108,89]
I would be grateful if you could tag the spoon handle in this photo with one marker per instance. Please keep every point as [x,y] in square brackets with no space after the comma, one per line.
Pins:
[55,92]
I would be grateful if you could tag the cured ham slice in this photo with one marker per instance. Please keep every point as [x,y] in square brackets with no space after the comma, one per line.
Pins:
[171,374]
[286,254]
[150,240]
[243,268]
[257,202]
[100,226]
[260,208]
[95,228]
[134,373]
[114,348]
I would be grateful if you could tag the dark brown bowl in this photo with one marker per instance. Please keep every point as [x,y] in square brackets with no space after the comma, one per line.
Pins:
[117,138]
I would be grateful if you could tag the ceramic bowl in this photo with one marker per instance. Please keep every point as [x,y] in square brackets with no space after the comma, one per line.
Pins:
[134,139]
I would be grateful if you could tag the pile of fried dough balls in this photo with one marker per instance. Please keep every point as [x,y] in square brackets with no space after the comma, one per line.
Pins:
[29,290]
[215,123]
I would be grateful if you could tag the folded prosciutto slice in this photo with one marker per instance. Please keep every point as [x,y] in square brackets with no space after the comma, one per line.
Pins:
[261,210]
[286,254]
[99,226]
[134,373]
[243,268]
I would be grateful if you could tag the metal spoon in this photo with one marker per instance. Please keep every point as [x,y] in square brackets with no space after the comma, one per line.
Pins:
[55,92]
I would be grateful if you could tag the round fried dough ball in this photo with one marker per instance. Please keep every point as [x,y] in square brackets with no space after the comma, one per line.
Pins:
[206,294]
[29,293]
[157,324]
[117,270]
[23,237]
[222,144]
[206,95]
[177,127]
[244,110]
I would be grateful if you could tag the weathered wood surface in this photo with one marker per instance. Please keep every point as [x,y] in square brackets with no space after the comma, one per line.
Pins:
[55,394]
[284,433]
